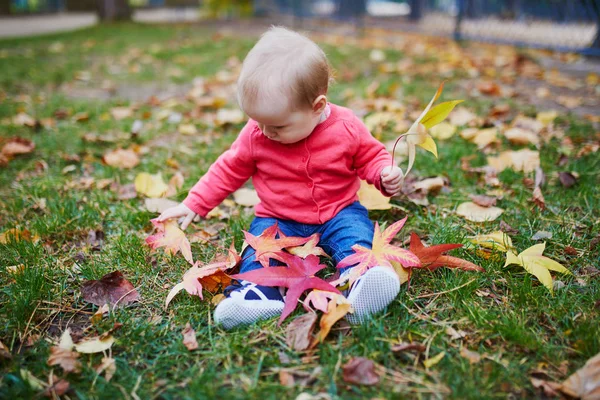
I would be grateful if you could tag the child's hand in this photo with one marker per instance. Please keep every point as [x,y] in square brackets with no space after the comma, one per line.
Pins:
[391,179]
[179,211]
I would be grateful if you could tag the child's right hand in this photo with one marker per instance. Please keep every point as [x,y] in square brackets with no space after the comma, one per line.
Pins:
[179,211]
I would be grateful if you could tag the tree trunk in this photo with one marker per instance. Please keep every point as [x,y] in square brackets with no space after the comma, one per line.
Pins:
[4,7]
[114,10]
[416,10]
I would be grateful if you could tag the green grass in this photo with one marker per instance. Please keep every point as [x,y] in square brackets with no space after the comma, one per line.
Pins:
[505,313]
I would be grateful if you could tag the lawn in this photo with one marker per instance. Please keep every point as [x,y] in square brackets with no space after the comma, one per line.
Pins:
[76,222]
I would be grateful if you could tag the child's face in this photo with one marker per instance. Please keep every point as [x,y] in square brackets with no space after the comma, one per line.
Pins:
[281,125]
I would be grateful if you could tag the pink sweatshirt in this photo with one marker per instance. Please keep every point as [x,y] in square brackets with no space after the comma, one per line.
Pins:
[309,181]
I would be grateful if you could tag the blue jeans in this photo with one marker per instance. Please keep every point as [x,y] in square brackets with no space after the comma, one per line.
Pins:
[349,227]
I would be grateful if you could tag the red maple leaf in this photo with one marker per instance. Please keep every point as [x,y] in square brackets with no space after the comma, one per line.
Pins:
[267,246]
[382,253]
[298,276]
[432,258]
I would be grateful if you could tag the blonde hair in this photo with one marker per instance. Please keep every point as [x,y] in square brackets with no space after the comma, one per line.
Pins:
[283,63]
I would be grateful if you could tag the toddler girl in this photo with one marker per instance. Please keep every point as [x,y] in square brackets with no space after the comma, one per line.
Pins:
[305,157]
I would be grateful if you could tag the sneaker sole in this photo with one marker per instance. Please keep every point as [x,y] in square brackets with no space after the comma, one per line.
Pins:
[230,315]
[380,286]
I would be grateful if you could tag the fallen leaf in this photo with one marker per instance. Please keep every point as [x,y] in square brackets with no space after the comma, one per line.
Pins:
[189,337]
[298,276]
[585,382]
[120,113]
[360,371]
[195,277]
[108,366]
[63,354]
[170,237]
[522,160]
[475,213]
[520,136]
[382,252]
[187,129]
[540,235]
[246,197]
[473,356]
[17,235]
[371,198]
[483,201]
[33,382]
[267,246]
[320,299]
[550,389]
[111,289]
[16,146]
[307,248]
[432,257]
[4,351]
[567,179]
[334,313]
[23,119]
[298,334]
[229,116]
[150,185]
[443,131]
[430,362]
[413,346]
[538,198]
[546,117]
[95,345]
[462,116]
[121,158]
[533,262]
[497,240]
[57,389]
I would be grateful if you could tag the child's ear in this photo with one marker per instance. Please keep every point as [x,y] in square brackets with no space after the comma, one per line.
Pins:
[319,104]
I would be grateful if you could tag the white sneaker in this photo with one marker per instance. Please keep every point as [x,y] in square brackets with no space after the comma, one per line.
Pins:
[247,303]
[372,292]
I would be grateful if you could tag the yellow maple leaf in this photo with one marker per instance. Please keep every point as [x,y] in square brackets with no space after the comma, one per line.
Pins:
[536,264]
[496,240]
[150,185]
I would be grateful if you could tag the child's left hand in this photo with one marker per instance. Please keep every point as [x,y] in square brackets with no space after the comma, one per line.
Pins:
[391,179]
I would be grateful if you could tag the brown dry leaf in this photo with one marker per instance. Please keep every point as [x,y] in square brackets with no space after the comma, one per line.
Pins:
[23,119]
[483,201]
[4,351]
[246,197]
[414,346]
[475,213]
[499,111]
[528,124]
[567,179]
[520,136]
[121,158]
[550,389]
[189,337]
[585,382]
[335,312]
[57,389]
[538,198]
[111,289]
[64,355]
[522,160]
[298,334]
[489,88]
[360,371]
[370,197]
[120,113]
[108,366]
[481,137]
[16,146]
[473,356]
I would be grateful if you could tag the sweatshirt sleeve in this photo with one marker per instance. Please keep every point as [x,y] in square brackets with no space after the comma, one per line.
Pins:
[226,175]
[370,156]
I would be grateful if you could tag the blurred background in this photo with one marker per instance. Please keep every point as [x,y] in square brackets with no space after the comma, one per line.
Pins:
[563,25]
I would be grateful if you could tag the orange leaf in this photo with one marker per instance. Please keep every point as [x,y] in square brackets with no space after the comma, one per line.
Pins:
[267,246]
[334,313]
[431,257]
[382,253]
[308,248]
[171,238]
